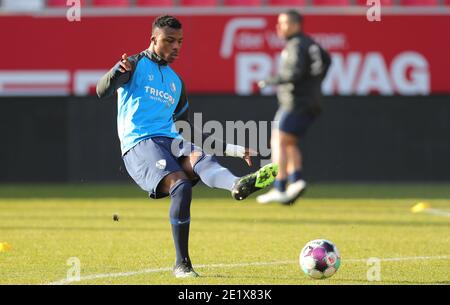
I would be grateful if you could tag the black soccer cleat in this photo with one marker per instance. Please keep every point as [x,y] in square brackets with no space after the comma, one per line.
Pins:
[253,182]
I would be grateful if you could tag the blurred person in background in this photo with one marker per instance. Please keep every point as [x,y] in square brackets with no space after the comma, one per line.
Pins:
[304,64]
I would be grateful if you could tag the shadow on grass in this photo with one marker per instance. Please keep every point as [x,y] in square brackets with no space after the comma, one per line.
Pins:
[315,190]
[253,277]
[215,220]
[99,229]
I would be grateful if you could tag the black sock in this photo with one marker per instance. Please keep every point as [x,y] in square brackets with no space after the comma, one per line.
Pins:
[180,218]
[280,185]
[295,176]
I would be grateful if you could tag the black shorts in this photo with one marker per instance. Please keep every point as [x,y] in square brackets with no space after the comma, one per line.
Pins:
[294,123]
[153,159]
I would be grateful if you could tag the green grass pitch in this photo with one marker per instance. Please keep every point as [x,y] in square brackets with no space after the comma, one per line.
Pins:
[231,242]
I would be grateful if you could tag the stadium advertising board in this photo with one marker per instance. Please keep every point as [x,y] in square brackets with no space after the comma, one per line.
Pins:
[227,54]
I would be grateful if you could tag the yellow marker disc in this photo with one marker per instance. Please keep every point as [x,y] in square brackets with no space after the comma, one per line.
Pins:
[420,206]
[5,247]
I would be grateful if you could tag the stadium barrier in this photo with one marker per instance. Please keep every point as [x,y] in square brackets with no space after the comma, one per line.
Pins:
[74,139]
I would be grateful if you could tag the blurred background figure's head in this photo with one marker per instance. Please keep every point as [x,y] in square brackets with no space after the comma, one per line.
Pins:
[289,23]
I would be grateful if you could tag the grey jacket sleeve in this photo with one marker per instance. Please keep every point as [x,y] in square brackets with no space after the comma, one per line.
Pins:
[114,79]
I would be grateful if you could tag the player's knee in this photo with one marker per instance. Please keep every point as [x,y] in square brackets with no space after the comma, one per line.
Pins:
[195,156]
[188,164]
[170,180]
[287,140]
[194,159]
[182,187]
[203,163]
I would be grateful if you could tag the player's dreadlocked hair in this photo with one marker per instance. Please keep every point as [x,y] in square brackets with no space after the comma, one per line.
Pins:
[166,20]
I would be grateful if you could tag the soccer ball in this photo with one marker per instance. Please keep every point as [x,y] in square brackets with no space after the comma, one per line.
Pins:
[320,259]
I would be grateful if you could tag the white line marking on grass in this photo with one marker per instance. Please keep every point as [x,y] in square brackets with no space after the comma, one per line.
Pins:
[145,271]
[437,212]
[111,275]
[158,270]
[425,207]
[399,259]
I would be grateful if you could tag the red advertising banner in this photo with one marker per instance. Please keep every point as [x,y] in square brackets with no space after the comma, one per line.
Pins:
[402,54]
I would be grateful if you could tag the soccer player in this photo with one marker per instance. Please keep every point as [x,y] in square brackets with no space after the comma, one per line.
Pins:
[151,98]
[303,66]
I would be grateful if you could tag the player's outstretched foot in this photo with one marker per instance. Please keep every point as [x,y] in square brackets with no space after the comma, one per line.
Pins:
[253,182]
[184,270]
[295,190]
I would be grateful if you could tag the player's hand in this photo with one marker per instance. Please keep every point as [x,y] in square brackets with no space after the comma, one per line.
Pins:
[238,151]
[249,153]
[262,84]
[124,64]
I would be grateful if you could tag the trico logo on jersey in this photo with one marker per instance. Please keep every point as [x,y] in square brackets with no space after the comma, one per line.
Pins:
[160,95]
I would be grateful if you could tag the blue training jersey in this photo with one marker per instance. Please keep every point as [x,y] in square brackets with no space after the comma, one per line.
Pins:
[147,102]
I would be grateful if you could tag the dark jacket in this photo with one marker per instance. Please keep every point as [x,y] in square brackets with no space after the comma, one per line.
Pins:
[303,66]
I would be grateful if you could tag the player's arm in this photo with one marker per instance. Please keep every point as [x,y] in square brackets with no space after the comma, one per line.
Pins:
[182,113]
[292,71]
[119,75]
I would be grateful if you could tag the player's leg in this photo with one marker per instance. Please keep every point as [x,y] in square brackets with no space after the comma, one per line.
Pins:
[279,157]
[294,166]
[153,167]
[297,185]
[209,170]
[198,165]
[214,175]
[282,145]
[179,187]
[282,142]
[274,145]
